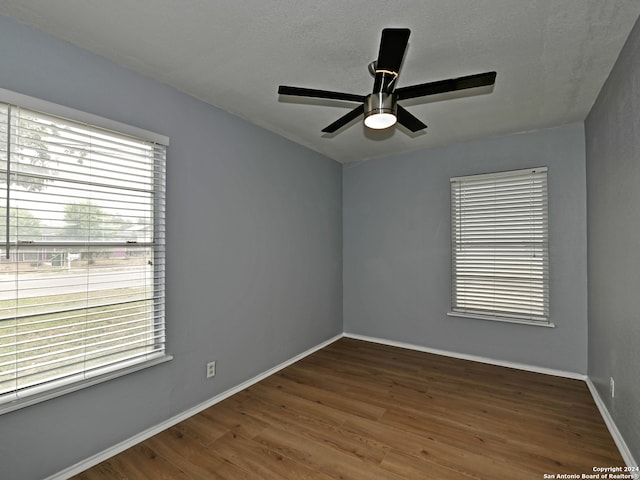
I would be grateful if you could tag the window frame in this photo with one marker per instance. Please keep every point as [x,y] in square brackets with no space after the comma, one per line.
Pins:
[538,242]
[17,399]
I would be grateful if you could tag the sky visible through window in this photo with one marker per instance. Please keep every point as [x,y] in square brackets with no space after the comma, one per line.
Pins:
[73,182]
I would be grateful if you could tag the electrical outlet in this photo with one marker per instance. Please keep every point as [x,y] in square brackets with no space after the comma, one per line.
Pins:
[211,369]
[612,387]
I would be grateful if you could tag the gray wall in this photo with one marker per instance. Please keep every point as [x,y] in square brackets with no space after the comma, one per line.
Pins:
[396,248]
[254,254]
[613,204]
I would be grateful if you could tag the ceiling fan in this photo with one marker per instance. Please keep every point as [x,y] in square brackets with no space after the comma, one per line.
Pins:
[380,108]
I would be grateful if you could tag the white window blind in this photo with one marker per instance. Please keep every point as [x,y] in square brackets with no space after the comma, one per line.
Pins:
[82,253]
[500,255]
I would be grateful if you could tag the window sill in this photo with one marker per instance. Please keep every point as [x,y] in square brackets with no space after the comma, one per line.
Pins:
[491,318]
[72,384]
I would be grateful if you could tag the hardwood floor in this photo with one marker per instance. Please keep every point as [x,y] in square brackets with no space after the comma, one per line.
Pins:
[357,410]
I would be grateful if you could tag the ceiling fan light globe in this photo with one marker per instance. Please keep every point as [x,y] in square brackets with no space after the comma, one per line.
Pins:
[380,110]
[380,121]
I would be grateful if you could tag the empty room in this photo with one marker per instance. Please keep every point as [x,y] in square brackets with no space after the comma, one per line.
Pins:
[332,240]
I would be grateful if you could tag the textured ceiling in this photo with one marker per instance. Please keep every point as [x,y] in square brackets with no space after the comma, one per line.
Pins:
[552,57]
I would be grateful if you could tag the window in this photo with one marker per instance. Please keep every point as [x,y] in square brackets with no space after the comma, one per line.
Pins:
[500,254]
[81,250]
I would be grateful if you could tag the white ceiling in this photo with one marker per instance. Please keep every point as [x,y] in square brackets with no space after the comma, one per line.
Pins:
[552,57]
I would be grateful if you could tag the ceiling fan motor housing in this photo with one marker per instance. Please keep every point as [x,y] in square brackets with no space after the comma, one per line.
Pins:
[380,105]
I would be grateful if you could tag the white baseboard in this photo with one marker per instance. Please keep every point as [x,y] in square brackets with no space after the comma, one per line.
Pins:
[473,358]
[122,446]
[613,429]
[140,437]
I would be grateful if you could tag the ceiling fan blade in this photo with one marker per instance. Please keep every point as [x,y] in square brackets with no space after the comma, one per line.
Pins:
[392,46]
[311,92]
[342,121]
[409,121]
[449,85]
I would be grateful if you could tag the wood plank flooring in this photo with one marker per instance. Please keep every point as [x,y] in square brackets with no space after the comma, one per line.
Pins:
[362,411]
